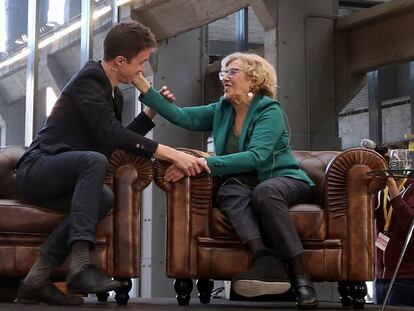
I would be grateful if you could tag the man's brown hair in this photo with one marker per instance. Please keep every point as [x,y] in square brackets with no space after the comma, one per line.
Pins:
[127,39]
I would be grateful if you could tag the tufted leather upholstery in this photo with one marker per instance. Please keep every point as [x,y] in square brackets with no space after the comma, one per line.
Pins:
[337,230]
[24,226]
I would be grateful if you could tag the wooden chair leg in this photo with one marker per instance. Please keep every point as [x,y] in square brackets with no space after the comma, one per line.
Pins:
[121,295]
[183,288]
[344,290]
[358,293]
[205,288]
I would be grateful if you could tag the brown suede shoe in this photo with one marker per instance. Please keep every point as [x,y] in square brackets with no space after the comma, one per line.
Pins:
[48,293]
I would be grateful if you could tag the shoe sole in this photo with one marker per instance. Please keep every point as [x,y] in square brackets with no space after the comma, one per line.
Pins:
[100,290]
[252,288]
[27,301]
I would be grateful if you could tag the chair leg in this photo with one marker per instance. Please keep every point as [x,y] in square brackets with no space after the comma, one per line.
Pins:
[358,293]
[204,287]
[183,288]
[121,295]
[102,297]
[8,288]
[344,290]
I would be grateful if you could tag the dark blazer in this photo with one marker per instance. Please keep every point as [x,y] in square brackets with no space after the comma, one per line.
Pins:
[87,116]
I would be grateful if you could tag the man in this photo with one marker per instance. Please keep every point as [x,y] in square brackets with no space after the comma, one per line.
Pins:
[65,166]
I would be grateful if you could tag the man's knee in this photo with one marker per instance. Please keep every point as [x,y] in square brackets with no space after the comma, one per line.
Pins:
[107,201]
[95,159]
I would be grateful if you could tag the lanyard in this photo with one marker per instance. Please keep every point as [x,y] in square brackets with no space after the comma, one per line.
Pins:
[387,214]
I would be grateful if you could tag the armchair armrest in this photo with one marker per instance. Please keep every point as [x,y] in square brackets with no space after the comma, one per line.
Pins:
[128,175]
[349,198]
[189,203]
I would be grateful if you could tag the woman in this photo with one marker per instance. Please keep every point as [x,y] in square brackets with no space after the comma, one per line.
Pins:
[394,214]
[260,176]
[64,168]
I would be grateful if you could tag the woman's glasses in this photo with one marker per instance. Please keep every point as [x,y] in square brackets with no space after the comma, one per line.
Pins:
[231,72]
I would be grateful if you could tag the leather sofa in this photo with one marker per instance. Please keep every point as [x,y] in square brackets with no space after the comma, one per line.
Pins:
[24,226]
[337,230]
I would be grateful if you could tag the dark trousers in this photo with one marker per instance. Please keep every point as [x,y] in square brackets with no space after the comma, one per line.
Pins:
[70,182]
[263,212]
[402,293]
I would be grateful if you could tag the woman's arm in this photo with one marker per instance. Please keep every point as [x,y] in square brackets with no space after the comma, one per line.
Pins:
[197,118]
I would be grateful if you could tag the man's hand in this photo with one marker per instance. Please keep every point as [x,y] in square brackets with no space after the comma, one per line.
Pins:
[151,113]
[164,91]
[173,173]
[189,164]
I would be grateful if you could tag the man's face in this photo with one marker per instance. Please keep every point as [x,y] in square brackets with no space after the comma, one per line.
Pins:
[128,69]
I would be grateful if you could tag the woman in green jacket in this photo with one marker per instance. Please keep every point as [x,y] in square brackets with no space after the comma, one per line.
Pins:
[260,178]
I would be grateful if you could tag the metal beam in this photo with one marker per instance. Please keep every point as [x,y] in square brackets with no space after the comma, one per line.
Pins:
[115,12]
[86,32]
[375,108]
[32,70]
[242,30]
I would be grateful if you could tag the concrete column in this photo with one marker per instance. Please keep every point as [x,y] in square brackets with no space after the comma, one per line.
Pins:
[182,69]
[299,43]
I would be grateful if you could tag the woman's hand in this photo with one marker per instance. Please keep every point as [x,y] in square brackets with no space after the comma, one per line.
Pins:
[173,173]
[164,91]
[141,83]
[190,164]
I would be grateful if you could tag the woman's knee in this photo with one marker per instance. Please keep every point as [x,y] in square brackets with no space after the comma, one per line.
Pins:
[263,191]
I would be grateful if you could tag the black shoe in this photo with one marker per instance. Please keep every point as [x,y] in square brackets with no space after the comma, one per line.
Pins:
[90,280]
[305,293]
[46,292]
[267,276]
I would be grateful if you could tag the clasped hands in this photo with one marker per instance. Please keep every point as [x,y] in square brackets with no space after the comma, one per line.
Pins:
[184,164]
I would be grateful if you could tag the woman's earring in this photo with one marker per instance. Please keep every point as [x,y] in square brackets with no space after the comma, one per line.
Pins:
[250,94]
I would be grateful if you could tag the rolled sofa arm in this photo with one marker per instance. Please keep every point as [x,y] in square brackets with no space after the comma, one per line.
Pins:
[349,199]
[189,203]
[128,175]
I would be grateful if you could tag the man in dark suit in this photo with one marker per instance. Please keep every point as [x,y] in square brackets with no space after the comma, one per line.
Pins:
[65,166]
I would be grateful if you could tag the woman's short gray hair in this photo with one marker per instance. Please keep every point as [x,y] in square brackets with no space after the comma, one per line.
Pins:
[259,69]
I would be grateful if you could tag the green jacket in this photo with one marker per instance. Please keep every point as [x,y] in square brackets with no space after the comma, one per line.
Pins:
[263,142]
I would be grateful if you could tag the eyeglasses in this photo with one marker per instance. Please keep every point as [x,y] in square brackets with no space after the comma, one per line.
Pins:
[231,72]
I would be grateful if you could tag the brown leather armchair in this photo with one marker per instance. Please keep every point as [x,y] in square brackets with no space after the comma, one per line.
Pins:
[337,231]
[24,226]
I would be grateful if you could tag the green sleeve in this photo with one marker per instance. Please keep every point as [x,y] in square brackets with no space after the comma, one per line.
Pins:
[197,118]
[266,134]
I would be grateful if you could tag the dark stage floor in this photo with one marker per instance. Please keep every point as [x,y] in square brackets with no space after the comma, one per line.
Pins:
[144,304]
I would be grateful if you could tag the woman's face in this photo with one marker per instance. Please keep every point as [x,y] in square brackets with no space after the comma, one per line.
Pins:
[237,84]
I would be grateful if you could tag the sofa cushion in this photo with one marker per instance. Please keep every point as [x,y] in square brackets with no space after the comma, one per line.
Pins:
[309,220]
[25,218]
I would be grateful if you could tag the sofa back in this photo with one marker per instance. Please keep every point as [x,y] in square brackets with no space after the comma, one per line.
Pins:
[8,157]
[315,163]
